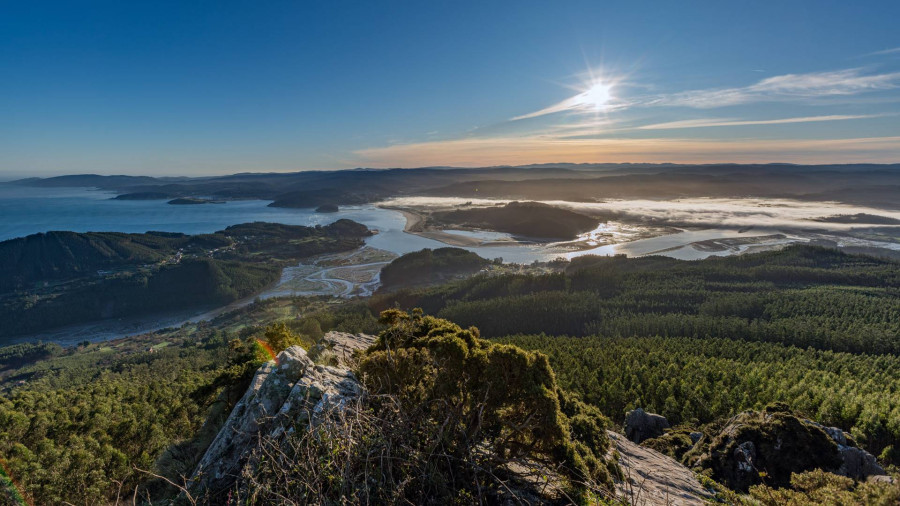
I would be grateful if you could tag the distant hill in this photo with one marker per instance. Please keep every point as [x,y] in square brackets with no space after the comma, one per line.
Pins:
[58,278]
[191,201]
[867,184]
[860,218]
[428,267]
[91,180]
[142,196]
[528,219]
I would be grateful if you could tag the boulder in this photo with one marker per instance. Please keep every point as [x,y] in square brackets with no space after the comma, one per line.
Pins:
[773,444]
[766,444]
[343,345]
[858,464]
[640,425]
[286,394]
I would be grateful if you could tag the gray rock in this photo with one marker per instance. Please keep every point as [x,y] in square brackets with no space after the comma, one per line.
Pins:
[343,345]
[836,434]
[745,457]
[287,394]
[640,425]
[655,479]
[696,436]
[858,463]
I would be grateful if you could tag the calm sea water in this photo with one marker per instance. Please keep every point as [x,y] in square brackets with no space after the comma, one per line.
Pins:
[25,210]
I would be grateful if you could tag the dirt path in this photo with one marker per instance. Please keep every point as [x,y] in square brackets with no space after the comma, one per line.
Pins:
[656,480]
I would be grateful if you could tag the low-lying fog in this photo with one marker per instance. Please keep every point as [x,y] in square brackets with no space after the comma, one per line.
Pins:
[707,212]
[696,228]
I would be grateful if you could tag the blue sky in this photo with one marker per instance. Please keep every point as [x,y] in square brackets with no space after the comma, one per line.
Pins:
[210,87]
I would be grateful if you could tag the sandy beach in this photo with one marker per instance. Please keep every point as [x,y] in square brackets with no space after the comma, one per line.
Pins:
[415,224]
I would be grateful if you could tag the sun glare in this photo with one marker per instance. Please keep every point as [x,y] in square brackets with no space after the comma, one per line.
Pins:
[598,95]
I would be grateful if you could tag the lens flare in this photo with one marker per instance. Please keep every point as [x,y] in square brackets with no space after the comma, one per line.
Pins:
[264,346]
[9,484]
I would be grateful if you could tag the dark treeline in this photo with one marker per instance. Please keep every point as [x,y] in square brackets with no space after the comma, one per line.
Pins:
[60,256]
[802,296]
[18,354]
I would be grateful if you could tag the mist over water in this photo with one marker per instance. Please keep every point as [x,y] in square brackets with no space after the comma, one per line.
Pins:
[711,212]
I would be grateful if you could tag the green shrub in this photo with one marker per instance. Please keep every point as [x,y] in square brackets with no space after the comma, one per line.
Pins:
[484,395]
[819,487]
[675,443]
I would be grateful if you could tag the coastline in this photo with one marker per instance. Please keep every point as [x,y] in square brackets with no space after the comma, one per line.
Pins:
[415,225]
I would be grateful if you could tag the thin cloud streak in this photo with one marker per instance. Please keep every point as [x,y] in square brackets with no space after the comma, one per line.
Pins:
[895,50]
[724,122]
[479,152]
[785,87]
[565,105]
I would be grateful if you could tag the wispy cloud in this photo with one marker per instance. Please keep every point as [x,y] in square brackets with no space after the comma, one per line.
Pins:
[783,87]
[895,50]
[479,152]
[723,122]
[813,85]
[585,101]
[565,105]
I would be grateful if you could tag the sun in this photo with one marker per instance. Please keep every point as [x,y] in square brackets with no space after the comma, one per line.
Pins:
[597,95]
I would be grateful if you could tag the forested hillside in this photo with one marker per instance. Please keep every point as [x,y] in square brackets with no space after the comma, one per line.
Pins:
[697,380]
[60,278]
[528,219]
[802,296]
[430,267]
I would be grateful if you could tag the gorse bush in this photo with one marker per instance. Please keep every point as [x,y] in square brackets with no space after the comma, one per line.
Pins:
[279,337]
[819,487]
[477,395]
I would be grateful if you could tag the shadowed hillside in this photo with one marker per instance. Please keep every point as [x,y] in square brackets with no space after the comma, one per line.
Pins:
[58,278]
[527,219]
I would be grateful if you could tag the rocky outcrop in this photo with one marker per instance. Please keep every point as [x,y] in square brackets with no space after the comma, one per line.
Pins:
[342,346]
[654,479]
[640,425]
[286,394]
[858,464]
[775,443]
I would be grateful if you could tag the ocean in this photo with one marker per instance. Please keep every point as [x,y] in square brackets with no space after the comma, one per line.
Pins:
[28,210]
